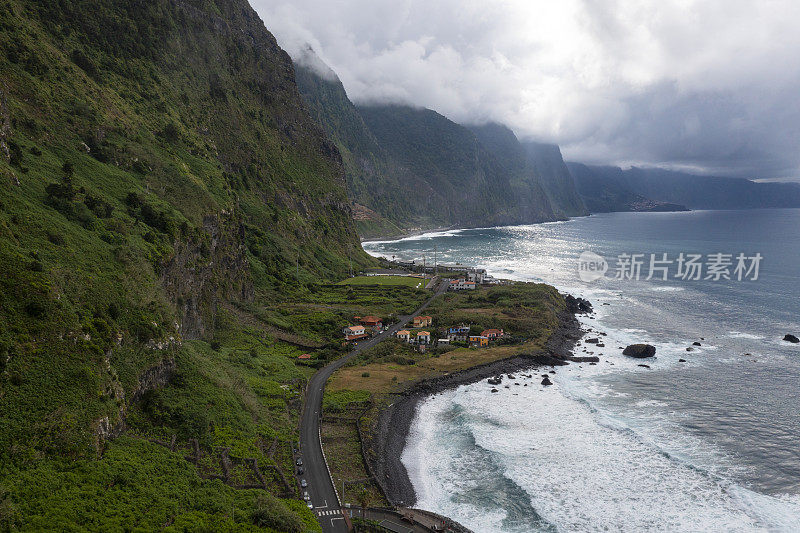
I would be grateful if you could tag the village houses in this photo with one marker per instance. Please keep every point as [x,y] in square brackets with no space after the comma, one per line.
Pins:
[492,333]
[422,321]
[478,340]
[461,285]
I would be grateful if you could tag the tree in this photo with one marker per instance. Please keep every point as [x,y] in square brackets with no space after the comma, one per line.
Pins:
[364,497]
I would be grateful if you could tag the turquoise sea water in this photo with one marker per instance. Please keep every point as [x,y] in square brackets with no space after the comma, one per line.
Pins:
[709,444]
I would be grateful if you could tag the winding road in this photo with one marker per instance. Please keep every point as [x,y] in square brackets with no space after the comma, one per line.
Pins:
[320,485]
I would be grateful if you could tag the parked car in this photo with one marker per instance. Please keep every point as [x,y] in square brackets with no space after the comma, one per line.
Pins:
[309,505]
[300,471]
[306,497]
[299,462]
[303,483]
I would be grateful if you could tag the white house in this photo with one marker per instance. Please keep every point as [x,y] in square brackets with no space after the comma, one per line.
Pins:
[352,333]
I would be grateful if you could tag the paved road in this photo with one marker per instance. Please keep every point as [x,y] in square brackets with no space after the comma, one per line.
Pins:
[320,486]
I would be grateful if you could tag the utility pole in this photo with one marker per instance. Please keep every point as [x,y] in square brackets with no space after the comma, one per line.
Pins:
[435,259]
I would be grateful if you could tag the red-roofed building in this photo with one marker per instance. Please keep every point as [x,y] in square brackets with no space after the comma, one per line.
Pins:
[304,356]
[372,322]
[492,333]
[422,321]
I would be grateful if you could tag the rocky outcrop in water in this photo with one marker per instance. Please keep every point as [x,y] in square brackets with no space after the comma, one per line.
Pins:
[578,305]
[640,351]
[791,338]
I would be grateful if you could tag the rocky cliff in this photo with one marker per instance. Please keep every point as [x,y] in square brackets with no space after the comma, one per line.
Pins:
[410,168]
[159,173]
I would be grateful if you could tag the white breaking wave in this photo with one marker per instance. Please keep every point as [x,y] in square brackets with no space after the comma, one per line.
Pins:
[578,472]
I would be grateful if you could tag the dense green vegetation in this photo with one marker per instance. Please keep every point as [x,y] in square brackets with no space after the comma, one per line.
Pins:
[408,281]
[170,219]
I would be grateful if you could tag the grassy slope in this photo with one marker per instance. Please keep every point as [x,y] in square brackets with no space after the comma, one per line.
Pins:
[144,146]
[408,281]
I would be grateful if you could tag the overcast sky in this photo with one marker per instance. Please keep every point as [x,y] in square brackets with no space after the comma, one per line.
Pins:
[711,86]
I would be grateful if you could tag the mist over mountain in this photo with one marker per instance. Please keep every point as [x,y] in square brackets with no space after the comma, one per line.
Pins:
[413,168]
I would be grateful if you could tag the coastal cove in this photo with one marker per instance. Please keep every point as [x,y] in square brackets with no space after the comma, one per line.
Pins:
[394,421]
[717,417]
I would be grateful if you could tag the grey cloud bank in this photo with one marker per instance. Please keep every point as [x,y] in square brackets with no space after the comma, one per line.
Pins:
[707,86]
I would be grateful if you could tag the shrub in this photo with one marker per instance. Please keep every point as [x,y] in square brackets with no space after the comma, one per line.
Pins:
[365,374]
[270,512]
[55,238]
[86,64]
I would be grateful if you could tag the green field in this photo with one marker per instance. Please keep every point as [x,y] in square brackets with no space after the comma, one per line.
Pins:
[408,281]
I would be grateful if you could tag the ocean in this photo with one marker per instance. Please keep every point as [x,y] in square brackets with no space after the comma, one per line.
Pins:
[710,444]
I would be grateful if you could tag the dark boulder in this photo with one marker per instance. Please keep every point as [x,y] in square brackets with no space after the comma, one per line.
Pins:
[681,360]
[645,366]
[640,351]
[594,340]
[689,349]
[577,305]
[695,343]
[495,390]
[546,381]
[791,338]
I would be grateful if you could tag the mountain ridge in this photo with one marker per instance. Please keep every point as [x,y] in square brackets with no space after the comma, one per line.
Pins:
[609,188]
[416,169]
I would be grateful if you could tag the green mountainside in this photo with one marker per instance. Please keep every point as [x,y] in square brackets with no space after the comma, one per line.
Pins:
[533,203]
[546,162]
[410,168]
[167,208]
[452,176]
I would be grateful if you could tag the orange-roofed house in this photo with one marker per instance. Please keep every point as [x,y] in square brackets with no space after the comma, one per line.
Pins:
[304,356]
[422,321]
[492,333]
[353,333]
[372,322]
[404,335]
[478,340]
[424,337]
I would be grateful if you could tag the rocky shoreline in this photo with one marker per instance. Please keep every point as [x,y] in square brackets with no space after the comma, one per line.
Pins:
[385,448]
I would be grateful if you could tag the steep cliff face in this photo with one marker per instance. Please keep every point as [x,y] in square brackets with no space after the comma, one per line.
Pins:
[413,168]
[156,162]
[531,201]
[373,180]
[450,174]
[548,165]
[207,268]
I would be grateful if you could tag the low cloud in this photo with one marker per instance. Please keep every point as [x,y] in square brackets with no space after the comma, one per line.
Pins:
[709,85]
